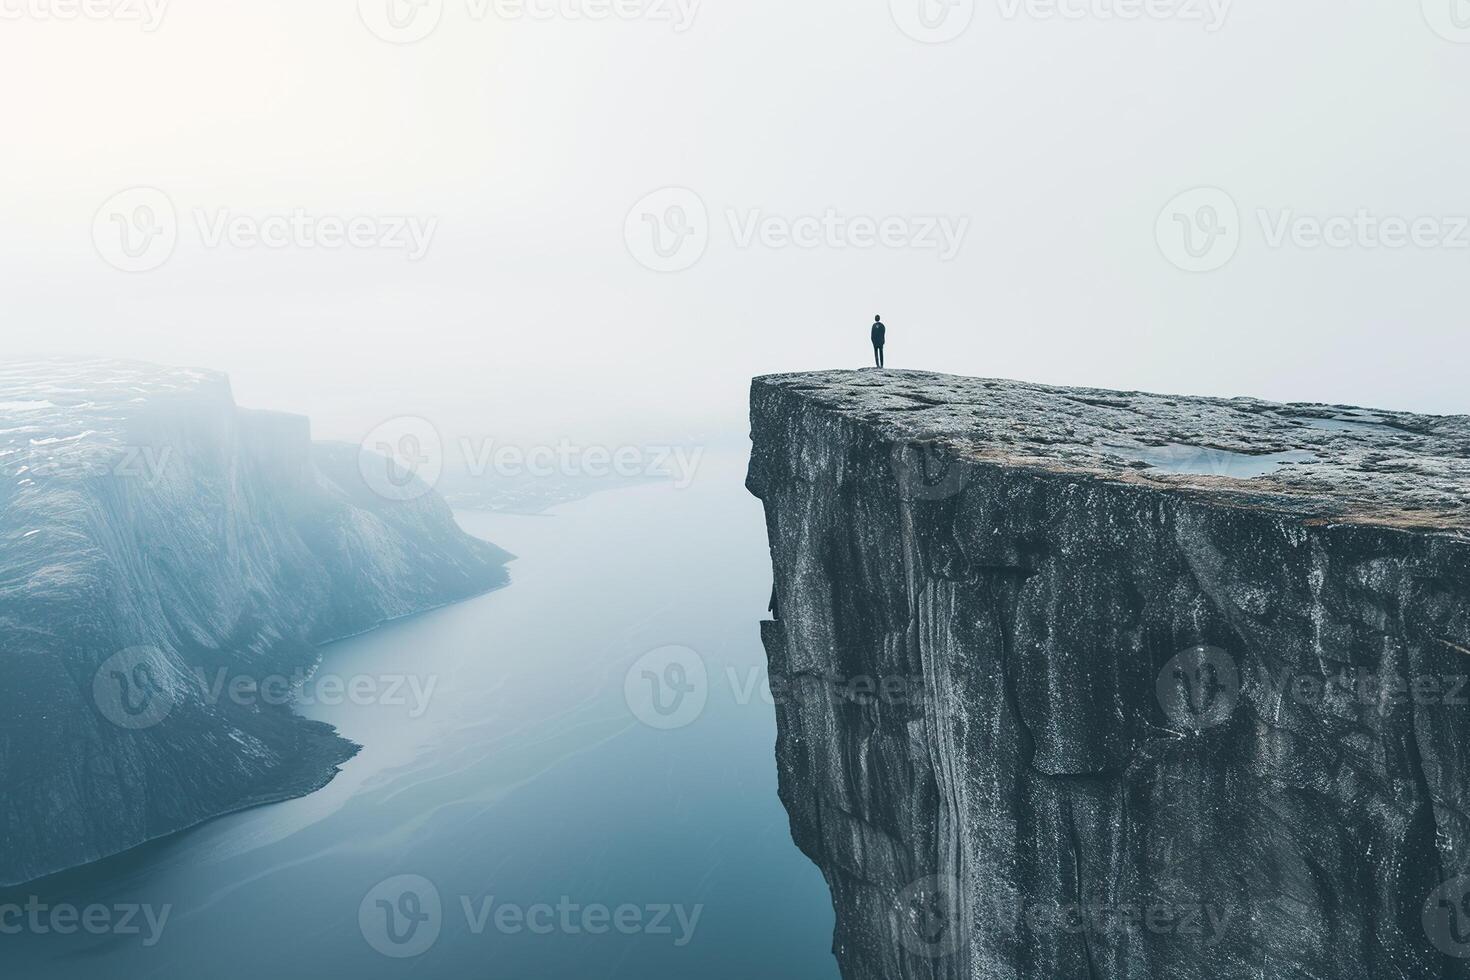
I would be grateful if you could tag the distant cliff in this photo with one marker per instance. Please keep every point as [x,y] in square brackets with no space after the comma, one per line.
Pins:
[153,534]
[1085,685]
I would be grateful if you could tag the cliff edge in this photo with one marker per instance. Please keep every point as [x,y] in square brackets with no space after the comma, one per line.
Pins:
[1091,684]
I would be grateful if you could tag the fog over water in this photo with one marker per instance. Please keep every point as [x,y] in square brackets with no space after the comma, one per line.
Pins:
[521,141]
[509,771]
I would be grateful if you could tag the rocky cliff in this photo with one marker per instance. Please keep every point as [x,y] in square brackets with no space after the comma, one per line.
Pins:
[163,556]
[1085,684]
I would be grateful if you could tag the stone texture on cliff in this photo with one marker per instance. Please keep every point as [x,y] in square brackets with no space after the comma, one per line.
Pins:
[155,538]
[1091,684]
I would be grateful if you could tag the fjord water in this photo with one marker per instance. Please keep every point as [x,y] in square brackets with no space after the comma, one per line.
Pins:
[520,778]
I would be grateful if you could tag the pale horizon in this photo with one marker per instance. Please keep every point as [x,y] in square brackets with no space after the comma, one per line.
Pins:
[1056,143]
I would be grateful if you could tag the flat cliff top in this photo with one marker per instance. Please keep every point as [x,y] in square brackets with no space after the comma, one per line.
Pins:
[93,384]
[61,414]
[1334,463]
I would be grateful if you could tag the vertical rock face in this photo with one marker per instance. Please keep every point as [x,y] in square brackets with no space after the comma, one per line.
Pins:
[157,545]
[1084,684]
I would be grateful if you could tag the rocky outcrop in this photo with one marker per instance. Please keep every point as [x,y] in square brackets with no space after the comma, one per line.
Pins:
[160,552]
[1082,684]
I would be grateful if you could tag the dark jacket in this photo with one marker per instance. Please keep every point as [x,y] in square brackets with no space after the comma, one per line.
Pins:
[878,333]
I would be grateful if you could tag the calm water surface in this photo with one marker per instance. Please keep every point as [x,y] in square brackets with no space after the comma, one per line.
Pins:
[521,779]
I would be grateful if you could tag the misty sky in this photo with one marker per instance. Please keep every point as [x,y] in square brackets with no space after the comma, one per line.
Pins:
[1003,199]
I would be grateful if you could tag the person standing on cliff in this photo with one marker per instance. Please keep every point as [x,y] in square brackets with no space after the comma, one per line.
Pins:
[879,333]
